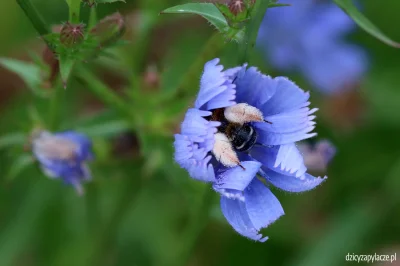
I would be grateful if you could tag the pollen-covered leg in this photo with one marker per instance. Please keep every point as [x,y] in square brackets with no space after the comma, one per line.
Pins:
[243,113]
[223,151]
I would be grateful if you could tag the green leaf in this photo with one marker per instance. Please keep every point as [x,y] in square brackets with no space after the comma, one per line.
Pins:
[66,65]
[364,23]
[19,165]
[30,74]
[106,129]
[11,139]
[207,10]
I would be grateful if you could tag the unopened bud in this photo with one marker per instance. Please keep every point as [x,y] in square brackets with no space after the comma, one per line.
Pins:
[151,77]
[71,34]
[236,6]
[109,29]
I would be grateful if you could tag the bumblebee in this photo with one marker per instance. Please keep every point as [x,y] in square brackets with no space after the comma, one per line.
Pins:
[235,134]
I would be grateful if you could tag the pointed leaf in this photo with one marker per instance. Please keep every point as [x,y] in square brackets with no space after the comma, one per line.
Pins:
[19,165]
[207,10]
[66,65]
[105,129]
[28,72]
[364,23]
[11,139]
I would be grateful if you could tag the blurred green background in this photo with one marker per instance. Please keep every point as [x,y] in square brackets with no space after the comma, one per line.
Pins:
[141,208]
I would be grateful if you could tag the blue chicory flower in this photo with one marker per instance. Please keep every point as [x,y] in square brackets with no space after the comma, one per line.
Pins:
[246,200]
[64,155]
[309,37]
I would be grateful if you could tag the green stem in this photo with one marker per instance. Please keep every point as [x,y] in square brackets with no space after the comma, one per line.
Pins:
[104,93]
[55,102]
[106,234]
[92,19]
[252,28]
[198,222]
[35,18]
[139,52]
[92,204]
[74,11]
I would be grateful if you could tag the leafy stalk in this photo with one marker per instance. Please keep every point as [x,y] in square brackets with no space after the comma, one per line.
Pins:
[55,102]
[104,93]
[33,15]
[74,10]
[257,16]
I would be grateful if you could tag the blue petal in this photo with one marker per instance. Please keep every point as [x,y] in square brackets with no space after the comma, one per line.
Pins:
[260,209]
[84,144]
[284,159]
[193,145]
[288,96]
[272,138]
[201,170]
[292,183]
[291,121]
[237,178]
[329,24]
[335,68]
[287,126]
[183,149]
[230,193]
[309,38]
[192,158]
[195,126]
[215,82]
[254,88]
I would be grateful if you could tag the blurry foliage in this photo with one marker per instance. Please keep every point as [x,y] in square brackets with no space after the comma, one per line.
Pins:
[140,206]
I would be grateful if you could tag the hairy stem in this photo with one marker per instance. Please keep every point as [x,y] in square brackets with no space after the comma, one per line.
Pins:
[252,28]
[74,11]
[55,102]
[103,92]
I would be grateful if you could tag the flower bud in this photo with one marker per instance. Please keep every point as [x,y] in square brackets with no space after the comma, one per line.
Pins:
[71,34]
[236,7]
[151,77]
[109,29]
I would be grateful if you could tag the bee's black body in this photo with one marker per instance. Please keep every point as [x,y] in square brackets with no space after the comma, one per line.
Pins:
[243,137]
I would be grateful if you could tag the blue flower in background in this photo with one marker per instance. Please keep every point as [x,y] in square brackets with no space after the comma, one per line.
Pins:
[309,37]
[64,155]
[240,136]
[317,156]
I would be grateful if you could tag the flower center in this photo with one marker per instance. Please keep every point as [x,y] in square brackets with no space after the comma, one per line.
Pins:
[235,134]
